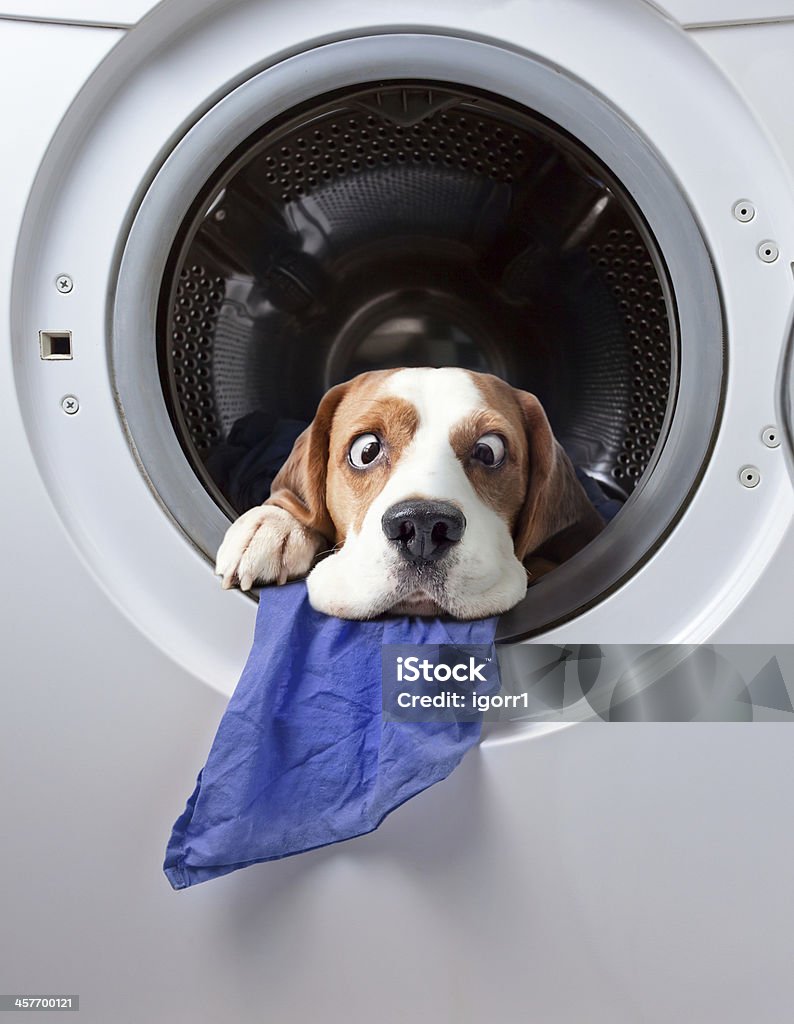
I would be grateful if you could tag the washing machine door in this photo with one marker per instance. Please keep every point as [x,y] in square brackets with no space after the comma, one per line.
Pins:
[235,241]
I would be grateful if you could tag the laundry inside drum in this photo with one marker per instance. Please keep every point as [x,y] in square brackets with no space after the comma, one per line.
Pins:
[413,224]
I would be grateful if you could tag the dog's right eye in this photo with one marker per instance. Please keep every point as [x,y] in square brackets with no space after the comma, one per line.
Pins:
[365,450]
[489,450]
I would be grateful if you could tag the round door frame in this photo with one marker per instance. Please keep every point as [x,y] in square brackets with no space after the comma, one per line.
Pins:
[677,466]
[165,586]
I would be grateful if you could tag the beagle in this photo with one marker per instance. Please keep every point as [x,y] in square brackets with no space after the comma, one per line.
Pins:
[430,488]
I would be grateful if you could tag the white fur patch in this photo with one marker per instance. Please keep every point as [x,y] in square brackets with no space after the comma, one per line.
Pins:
[265,545]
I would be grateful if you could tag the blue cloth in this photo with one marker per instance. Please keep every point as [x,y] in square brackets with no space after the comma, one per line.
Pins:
[303,756]
[607,507]
[246,463]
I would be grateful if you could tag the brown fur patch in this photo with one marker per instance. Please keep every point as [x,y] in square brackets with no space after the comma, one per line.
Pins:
[300,485]
[554,502]
[351,491]
[501,487]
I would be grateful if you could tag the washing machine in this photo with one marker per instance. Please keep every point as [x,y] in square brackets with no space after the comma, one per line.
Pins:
[214,210]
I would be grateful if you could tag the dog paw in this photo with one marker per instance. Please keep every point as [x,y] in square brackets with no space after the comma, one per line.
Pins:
[265,545]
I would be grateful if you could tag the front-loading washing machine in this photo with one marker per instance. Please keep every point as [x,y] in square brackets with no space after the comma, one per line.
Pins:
[214,211]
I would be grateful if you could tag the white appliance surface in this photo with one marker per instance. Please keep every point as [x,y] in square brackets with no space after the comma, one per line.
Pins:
[625,874]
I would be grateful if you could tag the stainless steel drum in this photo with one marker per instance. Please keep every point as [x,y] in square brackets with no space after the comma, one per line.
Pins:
[417,224]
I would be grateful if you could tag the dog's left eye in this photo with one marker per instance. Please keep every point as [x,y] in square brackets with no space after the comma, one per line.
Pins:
[364,451]
[489,450]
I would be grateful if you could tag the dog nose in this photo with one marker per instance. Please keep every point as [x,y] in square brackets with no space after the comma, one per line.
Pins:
[423,530]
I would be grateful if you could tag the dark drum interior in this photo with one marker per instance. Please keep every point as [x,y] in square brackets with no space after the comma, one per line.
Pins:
[410,224]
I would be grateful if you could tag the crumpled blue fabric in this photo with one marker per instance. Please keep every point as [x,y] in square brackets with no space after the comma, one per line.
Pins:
[245,465]
[303,756]
[606,507]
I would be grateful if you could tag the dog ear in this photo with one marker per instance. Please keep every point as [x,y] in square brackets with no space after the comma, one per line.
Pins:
[556,519]
[299,486]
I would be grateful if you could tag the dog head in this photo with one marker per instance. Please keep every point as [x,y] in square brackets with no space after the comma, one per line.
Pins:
[433,486]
